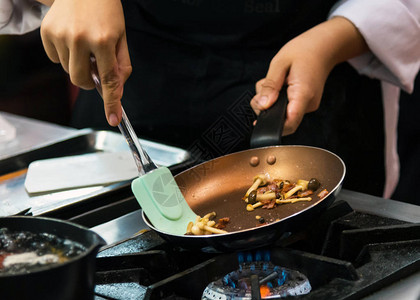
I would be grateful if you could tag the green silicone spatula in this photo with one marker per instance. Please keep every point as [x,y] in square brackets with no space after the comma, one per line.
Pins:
[155,189]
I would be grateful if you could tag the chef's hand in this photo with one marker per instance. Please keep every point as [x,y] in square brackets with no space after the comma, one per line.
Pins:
[303,65]
[73,30]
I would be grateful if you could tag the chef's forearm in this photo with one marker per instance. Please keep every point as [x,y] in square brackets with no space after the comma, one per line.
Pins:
[391,28]
[350,42]
[337,40]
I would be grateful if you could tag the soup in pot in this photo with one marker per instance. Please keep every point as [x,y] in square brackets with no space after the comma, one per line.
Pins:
[24,251]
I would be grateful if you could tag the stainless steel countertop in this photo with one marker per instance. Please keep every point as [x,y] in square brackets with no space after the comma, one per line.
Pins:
[31,134]
[121,228]
[49,140]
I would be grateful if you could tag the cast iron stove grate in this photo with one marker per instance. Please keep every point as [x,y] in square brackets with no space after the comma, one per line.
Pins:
[345,255]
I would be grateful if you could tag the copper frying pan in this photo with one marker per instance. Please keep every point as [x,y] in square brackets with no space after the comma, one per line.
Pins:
[219,185]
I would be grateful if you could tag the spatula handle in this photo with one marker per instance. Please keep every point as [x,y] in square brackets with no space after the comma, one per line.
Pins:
[143,161]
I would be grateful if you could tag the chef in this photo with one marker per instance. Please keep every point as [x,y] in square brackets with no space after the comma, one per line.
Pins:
[185,67]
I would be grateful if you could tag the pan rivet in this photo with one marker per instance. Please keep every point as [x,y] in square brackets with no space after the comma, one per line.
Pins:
[271,159]
[254,161]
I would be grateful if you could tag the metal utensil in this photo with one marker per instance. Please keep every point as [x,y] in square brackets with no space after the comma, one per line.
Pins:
[143,161]
[155,189]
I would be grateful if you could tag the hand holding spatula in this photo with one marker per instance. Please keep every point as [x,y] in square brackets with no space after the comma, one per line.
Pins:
[155,189]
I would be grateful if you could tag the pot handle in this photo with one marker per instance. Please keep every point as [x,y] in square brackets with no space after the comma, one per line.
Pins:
[269,127]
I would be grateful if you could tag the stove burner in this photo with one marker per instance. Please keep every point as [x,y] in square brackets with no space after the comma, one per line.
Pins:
[346,254]
[275,282]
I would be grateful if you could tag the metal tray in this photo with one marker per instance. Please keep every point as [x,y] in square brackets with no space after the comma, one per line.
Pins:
[14,198]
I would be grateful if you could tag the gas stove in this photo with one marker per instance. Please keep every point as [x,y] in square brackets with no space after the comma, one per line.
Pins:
[361,247]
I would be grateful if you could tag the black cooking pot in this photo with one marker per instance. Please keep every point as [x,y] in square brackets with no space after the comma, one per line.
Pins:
[73,279]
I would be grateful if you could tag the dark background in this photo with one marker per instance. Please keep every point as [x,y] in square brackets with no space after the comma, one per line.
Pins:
[30,84]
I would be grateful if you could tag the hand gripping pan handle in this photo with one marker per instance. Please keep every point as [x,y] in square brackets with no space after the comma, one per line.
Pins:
[269,127]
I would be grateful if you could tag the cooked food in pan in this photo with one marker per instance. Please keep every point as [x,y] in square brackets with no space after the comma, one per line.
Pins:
[268,194]
[206,225]
[263,193]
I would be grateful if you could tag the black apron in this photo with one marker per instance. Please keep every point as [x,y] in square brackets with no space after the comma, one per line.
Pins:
[409,145]
[195,65]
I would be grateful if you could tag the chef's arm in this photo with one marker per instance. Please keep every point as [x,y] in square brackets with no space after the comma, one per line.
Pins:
[304,64]
[391,28]
[72,31]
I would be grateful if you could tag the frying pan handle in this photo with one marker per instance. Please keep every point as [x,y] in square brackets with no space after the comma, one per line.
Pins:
[269,127]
